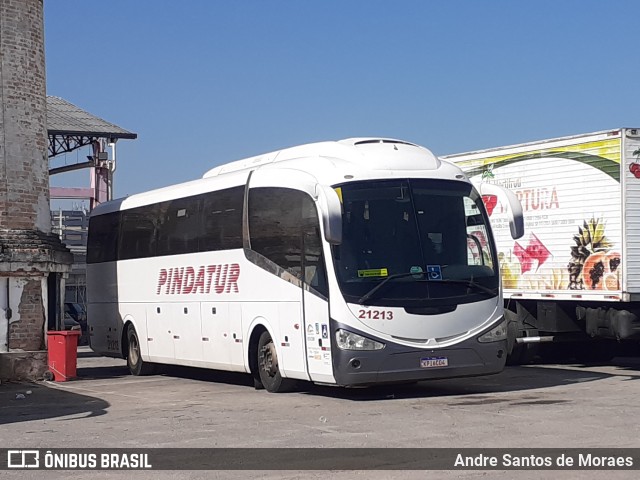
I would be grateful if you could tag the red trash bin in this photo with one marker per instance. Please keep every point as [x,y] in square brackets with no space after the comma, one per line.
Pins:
[63,354]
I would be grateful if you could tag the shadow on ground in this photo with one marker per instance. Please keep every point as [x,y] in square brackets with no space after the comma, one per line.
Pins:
[471,390]
[512,379]
[24,402]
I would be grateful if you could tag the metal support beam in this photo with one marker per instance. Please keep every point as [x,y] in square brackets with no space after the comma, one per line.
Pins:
[71,192]
[71,168]
[60,143]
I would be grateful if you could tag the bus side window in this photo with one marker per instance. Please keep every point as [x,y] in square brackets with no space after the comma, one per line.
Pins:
[284,227]
[180,226]
[477,244]
[314,267]
[222,220]
[102,244]
[138,234]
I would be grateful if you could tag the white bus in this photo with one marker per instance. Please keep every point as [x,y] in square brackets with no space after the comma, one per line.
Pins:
[356,262]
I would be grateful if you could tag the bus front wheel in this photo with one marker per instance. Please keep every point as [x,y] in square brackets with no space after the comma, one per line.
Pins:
[268,370]
[134,359]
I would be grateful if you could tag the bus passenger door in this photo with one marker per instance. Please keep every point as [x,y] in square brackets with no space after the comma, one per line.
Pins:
[315,303]
[284,228]
[318,337]
[291,336]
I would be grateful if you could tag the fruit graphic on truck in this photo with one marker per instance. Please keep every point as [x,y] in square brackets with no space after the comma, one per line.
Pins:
[575,275]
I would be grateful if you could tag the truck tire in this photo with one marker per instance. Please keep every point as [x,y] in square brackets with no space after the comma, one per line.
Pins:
[523,353]
[519,353]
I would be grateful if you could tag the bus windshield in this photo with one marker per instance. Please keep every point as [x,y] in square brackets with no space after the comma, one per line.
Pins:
[414,243]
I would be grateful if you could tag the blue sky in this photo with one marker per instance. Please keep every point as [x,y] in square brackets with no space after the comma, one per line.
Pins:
[203,82]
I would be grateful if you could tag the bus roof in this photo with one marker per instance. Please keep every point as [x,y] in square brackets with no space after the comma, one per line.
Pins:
[330,162]
[373,153]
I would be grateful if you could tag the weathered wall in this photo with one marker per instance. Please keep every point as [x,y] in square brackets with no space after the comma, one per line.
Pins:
[27,332]
[24,174]
[28,250]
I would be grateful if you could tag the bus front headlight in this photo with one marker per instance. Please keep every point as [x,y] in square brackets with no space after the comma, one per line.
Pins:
[352,341]
[496,334]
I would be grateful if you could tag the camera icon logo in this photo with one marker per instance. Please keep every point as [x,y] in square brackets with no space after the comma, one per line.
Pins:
[23,459]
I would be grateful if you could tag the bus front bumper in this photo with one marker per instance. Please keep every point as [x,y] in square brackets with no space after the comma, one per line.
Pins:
[398,363]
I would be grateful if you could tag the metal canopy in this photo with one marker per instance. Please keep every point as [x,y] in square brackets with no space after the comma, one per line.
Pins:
[70,127]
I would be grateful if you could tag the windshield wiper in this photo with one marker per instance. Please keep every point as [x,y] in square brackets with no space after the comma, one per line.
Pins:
[374,290]
[469,283]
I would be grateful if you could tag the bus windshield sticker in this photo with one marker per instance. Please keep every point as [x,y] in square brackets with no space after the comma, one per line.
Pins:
[339,192]
[434,272]
[373,272]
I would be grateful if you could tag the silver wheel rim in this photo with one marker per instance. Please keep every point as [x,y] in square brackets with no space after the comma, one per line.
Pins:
[269,359]
[134,356]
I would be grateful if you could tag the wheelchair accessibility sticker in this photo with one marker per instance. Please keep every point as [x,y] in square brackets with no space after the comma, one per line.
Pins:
[434,272]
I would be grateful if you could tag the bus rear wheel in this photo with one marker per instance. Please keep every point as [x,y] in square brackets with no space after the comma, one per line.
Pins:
[268,370]
[134,359]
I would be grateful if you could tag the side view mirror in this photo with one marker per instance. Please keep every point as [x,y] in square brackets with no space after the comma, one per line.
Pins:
[510,200]
[331,213]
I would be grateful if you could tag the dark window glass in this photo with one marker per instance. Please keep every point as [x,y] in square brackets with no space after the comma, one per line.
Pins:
[283,223]
[222,220]
[139,227]
[102,244]
[179,226]
[211,221]
[314,269]
[414,242]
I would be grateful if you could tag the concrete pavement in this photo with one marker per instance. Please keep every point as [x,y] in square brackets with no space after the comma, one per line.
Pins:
[559,406]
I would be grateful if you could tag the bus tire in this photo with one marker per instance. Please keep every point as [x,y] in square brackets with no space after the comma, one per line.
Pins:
[268,370]
[134,359]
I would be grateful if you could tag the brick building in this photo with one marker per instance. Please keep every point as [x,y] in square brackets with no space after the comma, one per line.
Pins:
[32,259]
[34,263]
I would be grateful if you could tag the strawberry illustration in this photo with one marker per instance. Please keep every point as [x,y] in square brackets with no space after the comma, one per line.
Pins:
[536,250]
[526,262]
[490,202]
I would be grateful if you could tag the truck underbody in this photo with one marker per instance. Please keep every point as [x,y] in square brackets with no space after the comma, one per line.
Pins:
[559,330]
[572,283]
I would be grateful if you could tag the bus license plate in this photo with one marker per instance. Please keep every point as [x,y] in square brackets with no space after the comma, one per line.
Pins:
[431,362]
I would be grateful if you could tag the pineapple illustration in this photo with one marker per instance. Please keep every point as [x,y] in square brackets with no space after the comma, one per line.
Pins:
[590,239]
[510,271]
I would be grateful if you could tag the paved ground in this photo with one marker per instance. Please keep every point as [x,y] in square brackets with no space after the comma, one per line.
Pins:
[564,406]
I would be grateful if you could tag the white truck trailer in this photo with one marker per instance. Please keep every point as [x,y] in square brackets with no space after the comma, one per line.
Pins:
[575,274]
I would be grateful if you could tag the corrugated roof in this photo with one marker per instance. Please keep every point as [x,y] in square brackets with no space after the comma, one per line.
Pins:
[64,118]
